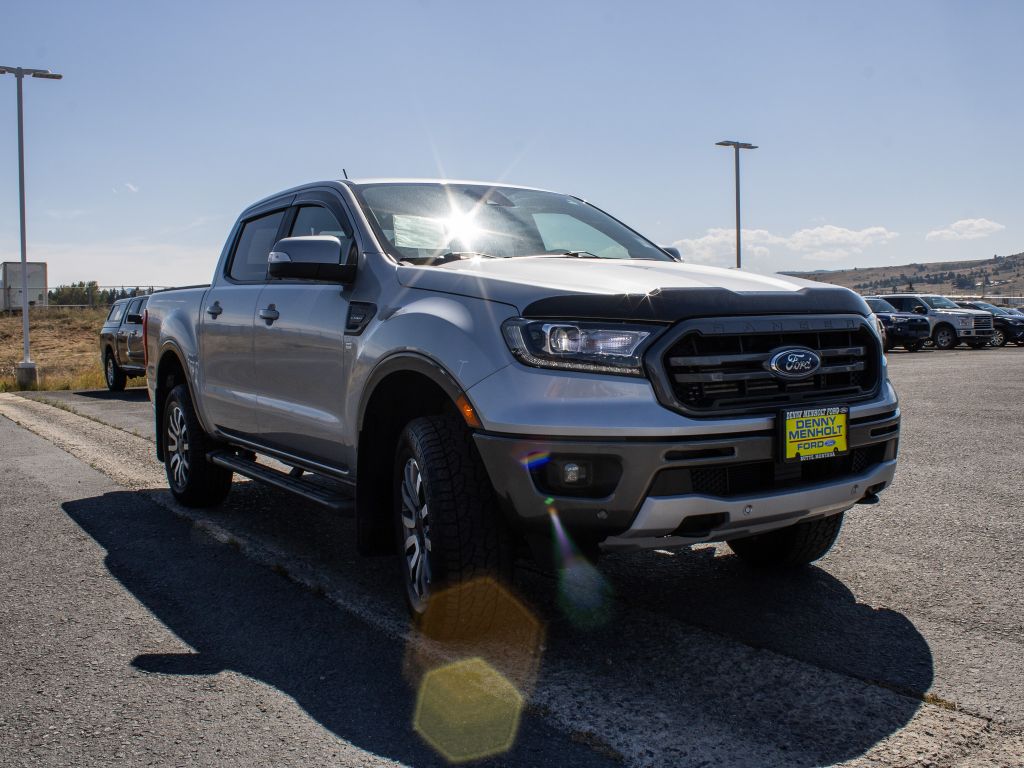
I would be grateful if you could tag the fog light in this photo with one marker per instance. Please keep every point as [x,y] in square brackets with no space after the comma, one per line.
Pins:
[573,473]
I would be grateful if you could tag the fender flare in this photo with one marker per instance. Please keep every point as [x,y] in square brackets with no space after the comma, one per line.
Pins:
[171,347]
[407,361]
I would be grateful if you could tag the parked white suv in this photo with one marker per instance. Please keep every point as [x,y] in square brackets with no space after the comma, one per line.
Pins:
[951,324]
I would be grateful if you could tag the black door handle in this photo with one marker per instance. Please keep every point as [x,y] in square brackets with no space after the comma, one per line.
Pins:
[214,309]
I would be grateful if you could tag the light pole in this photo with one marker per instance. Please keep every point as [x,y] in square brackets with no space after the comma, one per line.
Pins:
[25,374]
[736,146]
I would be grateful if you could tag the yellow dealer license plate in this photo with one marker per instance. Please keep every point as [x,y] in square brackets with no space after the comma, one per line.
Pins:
[814,433]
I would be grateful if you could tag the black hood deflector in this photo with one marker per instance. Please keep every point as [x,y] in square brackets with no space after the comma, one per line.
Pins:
[674,304]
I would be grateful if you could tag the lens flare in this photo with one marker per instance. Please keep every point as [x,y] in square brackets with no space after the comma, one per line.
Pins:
[474,662]
[535,459]
[584,595]
[468,710]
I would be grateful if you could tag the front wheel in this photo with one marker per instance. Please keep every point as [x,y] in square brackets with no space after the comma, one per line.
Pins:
[944,337]
[998,338]
[116,378]
[194,481]
[450,531]
[791,547]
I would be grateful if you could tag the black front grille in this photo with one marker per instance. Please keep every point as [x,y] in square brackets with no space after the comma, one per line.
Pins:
[727,481]
[709,373]
[983,322]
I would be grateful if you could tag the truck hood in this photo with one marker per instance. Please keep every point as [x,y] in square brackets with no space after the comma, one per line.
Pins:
[623,289]
[963,311]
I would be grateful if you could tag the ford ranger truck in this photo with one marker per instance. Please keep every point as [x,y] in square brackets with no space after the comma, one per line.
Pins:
[473,360]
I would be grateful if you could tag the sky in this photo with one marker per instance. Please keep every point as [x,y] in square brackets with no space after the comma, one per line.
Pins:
[887,132]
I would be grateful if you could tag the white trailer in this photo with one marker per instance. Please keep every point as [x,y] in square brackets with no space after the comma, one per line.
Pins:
[10,285]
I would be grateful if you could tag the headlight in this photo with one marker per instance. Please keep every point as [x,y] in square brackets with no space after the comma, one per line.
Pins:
[572,346]
[965,322]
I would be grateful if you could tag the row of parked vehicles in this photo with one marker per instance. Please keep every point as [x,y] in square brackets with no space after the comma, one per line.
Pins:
[911,320]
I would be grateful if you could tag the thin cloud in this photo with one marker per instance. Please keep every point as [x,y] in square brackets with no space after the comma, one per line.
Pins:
[122,261]
[823,243]
[131,187]
[966,229]
[65,214]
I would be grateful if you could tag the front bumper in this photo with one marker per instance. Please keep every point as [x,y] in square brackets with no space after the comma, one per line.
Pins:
[646,509]
[974,333]
[900,333]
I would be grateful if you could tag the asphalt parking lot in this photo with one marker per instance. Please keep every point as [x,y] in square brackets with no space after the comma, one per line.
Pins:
[252,633]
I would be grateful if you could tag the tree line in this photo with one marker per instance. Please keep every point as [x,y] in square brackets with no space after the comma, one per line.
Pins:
[92,294]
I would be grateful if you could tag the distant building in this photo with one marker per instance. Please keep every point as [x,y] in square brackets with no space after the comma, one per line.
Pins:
[10,285]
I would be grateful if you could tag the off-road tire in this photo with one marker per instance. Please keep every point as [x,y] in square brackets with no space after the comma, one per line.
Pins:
[944,337]
[116,378]
[202,484]
[469,541]
[792,547]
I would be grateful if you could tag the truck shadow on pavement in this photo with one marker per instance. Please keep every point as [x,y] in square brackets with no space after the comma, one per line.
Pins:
[130,395]
[347,675]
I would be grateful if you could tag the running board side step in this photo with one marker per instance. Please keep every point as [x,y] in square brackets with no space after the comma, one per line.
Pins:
[282,480]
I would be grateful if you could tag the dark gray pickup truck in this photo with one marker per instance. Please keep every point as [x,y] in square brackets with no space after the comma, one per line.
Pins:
[121,350]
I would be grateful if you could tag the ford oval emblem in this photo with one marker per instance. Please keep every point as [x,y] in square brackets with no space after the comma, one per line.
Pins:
[794,363]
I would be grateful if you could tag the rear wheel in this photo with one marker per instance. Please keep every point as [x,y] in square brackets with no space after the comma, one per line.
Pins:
[115,377]
[791,547]
[450,531]
[944,337]
[194,481]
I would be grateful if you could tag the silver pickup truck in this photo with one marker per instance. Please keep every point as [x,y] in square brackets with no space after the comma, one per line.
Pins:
[478,363]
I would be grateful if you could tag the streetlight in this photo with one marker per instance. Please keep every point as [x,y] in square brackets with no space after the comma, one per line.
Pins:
[25,373]
[736,146]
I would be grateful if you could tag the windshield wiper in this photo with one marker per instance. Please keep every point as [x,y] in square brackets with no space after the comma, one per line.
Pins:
[579,255]
[445,258]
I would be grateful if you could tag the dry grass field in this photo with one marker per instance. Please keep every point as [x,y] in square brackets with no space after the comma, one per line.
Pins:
[65,347]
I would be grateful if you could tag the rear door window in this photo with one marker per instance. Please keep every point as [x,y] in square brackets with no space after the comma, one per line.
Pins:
[249,262]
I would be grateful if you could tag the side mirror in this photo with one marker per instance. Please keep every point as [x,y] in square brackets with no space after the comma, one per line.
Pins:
[921,310]
[137,319]
[314,257]
[672,251]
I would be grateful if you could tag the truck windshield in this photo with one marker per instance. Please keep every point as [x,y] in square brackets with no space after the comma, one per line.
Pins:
[990,308]
[939,302]
[423,222]
[881,305]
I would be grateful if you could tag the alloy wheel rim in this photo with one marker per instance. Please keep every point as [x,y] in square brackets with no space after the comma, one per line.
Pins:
[997,339]
[177,447]
[415,533]
[944,337]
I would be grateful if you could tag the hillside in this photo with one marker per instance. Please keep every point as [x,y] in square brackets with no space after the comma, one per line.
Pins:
[998,276]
